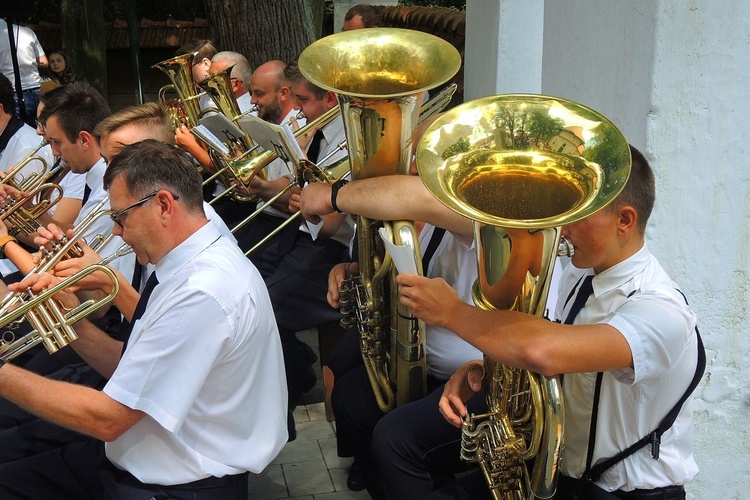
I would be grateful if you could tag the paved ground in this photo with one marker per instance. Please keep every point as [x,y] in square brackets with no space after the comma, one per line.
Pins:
[308,468]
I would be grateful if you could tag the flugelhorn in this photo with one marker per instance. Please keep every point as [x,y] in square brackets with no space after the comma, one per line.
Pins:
[381,77]
[51,324]
[22,215]
[520,166]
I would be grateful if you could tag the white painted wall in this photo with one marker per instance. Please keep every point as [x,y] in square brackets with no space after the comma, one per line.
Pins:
[674,75]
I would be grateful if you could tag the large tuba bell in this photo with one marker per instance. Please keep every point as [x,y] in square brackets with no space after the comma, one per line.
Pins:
[381,76]
[520,166]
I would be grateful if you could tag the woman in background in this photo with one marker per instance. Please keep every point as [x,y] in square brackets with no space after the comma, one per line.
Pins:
[60,69]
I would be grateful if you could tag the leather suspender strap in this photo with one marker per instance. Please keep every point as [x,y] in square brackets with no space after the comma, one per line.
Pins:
[654,438]
[432,246]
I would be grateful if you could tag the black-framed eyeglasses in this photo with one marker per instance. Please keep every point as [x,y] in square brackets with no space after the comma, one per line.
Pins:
[117,216]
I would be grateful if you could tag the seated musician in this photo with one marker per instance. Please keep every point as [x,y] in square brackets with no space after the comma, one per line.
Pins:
[295,265]
[445,240]
[168,430]
[22,435]
[630,324]
[125,127]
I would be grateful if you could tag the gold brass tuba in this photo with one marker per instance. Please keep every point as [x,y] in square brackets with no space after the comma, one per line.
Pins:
[218,87]
[520,166]
[381,76]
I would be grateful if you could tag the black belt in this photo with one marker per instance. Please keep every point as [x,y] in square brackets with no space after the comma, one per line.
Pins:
[665,493]
[201,484]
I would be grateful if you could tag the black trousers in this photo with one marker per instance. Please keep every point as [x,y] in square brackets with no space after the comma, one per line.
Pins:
[295,269]
[81,471]
[417,453]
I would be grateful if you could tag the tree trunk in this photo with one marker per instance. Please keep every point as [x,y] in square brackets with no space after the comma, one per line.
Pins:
[84,40]
[263,30]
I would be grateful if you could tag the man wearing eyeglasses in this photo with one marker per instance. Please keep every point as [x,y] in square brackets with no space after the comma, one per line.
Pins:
[196,397]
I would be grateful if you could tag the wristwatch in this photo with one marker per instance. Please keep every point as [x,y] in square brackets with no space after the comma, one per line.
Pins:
[4,240]
[335,191]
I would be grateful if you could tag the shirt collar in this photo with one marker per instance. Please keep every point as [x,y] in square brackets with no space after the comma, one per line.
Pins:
[620,273]
[186,251]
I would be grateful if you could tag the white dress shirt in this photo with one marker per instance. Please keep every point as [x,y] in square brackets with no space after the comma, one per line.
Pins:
[454,260]
[23,142]
[205,365]
[638,298]
[29,50]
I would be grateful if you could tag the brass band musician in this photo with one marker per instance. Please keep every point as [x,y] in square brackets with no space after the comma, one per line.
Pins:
[182,374]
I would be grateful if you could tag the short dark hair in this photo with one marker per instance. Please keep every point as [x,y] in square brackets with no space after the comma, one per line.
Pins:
[203,49]
[371,17]
[6,95]
[639,191]
[77,107]
[151,165]
[292,74]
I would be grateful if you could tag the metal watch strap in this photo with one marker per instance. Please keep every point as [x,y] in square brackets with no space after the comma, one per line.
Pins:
[335,191]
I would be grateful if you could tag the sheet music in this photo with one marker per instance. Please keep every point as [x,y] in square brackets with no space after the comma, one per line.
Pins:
[222,128]
[272,137]
[204,134]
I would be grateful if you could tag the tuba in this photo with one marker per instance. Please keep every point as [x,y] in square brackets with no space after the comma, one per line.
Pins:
[381,76]
[185,110]
[242,149]
[520,166]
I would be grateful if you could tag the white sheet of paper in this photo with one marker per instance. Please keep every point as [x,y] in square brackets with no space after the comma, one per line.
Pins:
[402,255]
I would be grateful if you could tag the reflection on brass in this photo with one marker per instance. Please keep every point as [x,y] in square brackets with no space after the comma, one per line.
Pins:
[520,166]
[380,76]
[186,110]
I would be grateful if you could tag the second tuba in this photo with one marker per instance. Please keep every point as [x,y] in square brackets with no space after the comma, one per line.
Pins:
[381,76]
[520,166]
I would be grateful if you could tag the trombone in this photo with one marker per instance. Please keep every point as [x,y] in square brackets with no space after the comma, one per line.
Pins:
[315,173]
[52,324]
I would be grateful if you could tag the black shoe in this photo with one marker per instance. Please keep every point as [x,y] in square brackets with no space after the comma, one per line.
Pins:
[355,481]
[291,427]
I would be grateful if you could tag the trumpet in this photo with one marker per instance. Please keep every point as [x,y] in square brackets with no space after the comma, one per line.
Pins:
[52,324]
